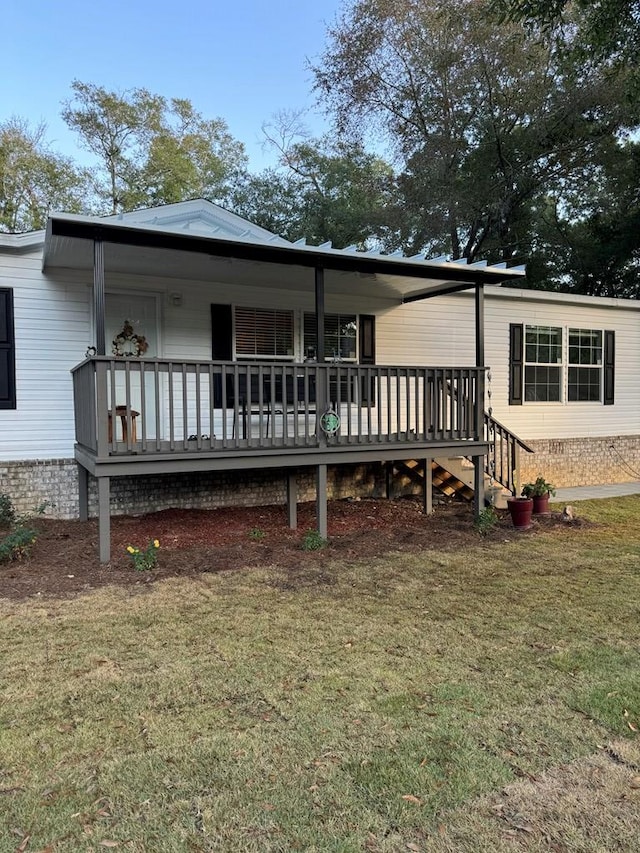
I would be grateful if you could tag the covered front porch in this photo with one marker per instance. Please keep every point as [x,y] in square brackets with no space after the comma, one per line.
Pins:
[139,415]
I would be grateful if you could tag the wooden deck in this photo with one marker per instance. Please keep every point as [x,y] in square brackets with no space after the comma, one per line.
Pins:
[155,416]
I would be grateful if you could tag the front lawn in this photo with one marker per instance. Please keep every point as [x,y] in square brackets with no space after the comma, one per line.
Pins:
[485,699]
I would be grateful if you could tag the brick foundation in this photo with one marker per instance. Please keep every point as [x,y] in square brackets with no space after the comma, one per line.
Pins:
[563,462]
[30,483]
[583,461]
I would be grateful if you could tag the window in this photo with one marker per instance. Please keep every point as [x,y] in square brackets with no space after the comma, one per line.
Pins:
[585,365]
[7,351]
[543,360]
[264,333]
[552,364]
[340,336]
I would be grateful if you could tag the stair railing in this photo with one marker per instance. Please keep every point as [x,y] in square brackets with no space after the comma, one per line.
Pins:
[502,463]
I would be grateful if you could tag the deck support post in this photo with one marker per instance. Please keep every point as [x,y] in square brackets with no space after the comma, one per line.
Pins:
[292,499]
[321,500]
[83,492]
[427,495]
[478,485]
[388,480]
[104,519]
[478,461]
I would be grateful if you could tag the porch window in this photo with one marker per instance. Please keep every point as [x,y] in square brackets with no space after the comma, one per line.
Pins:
[543,364]
[340,336]
[264,333]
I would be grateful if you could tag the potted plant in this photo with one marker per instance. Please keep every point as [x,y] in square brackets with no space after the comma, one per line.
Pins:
[520,510]
[539,492]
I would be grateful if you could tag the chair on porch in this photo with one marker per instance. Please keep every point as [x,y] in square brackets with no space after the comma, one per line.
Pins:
[125,420]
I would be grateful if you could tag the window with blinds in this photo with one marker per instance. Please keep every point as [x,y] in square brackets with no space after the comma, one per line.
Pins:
[264,332]
[340,336]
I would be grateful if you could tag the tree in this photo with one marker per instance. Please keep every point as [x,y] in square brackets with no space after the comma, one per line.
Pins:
[33,179]
[152,150]
[322,189]
[610,29]
[485,121]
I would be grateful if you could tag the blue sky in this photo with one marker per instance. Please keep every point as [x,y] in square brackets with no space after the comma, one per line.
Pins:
[240,61]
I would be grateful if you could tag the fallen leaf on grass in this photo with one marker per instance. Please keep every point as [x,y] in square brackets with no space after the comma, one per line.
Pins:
[633,727]
[411,799]
[414,847]
[23,844]
[635,782]
[106,843]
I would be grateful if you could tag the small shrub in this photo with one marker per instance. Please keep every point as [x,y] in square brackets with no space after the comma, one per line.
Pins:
[486,520]
[256,534]
[144,561]
[7,512]
[17,544]
[313,541]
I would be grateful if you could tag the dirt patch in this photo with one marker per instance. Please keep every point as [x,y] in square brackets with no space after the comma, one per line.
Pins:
[63,561]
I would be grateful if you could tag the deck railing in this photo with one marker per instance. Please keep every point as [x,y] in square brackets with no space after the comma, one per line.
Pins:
[126,405]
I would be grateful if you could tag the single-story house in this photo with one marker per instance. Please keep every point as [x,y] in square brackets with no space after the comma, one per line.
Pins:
[182,356]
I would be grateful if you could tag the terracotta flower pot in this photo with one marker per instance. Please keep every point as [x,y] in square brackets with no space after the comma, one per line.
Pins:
[521,510]
[541,504]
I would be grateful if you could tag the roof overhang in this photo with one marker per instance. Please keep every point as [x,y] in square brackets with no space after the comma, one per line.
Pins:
[149,250]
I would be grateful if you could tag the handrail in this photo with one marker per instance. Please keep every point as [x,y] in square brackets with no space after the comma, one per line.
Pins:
[502,463]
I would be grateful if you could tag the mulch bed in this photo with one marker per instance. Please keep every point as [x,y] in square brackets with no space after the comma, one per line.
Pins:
[63,561]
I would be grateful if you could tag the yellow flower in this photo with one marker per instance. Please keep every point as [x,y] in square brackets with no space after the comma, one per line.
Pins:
[156,544]
[130,549]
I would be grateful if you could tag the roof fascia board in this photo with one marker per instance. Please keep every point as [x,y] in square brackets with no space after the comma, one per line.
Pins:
[270,253]
[439,289]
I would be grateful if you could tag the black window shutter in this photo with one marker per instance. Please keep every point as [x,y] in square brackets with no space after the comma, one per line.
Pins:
[221,333]
[367,354]
[516,371]
[609,367]
[367,339]
[7,351]
[222,350]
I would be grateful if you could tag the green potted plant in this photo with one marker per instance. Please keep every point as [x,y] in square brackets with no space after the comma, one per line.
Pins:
[539,492]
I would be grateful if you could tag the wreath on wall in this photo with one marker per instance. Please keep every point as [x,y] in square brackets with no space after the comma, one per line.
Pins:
[127,343]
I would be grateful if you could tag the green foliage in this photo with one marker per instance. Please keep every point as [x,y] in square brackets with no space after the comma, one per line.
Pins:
[487,122]
[7,511]
[150,149]
[312,541]
[257,534]
[144,560]
[486,520]
[34,180]
[17,544]
[537,489]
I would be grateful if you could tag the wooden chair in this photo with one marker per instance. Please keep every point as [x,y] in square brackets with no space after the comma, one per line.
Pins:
[121,412]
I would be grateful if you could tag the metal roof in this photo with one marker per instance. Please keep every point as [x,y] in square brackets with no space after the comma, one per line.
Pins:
[199,240]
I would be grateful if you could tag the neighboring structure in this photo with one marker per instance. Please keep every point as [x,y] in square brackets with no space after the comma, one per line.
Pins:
[232,343]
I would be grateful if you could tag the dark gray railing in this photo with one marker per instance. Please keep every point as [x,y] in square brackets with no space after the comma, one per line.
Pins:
[125,405]
[503,460]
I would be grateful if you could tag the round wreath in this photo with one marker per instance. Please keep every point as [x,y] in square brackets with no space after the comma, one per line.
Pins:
[129,344]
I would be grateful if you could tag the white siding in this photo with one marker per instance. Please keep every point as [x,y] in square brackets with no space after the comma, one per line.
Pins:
[53,329]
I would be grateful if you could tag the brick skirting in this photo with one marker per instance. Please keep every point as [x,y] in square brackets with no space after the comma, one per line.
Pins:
[563,462]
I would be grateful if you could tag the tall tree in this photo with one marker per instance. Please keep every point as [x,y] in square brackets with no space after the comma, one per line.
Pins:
[484,120]
[33,179]
[152,150]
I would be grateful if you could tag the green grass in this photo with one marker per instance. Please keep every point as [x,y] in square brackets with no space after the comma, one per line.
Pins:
[371,707]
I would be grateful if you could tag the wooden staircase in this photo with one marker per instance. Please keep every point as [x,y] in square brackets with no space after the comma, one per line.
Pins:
[454,476]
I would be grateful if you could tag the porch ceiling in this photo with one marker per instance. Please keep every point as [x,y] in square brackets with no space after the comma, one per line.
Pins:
[149,251]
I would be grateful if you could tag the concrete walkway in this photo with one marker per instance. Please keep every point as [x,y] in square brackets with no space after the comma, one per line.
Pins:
[585,493]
